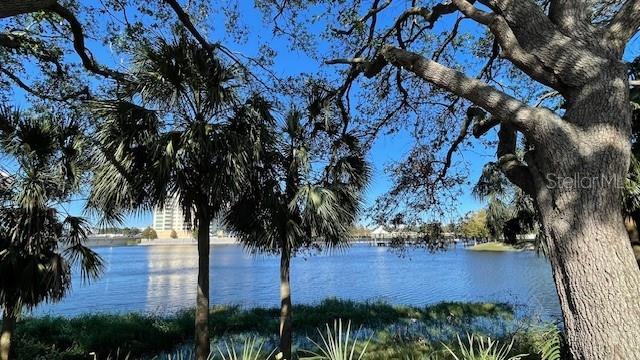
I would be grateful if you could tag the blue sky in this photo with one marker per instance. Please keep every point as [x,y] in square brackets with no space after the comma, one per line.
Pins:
[385,150]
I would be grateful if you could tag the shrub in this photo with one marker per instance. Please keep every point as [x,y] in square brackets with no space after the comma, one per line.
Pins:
[149,233]
[71,339]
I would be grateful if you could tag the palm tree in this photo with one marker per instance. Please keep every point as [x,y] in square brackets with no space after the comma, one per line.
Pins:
[178,130]
[295,204]
[38,245]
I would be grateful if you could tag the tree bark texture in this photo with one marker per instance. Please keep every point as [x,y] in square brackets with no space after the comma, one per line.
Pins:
[8,326]
[286,325]
[202,300]
[579,172]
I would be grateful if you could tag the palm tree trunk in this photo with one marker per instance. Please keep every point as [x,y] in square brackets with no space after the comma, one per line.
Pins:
[286,327]
[8,326]
[202,301]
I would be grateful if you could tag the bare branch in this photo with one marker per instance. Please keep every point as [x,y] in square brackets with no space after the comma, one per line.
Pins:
[21,43]
[452,35]
[549,95]
[78,43]
[430,15]
[357,60]
[12,8]
[499,104]
[375,9]
[186,21]
[210,48]
[440,10]
[481,127]
[82,94]
[624,25]
[471,11]
[472,113]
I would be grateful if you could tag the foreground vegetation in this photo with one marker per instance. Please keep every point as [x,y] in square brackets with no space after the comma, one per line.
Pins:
[390,332]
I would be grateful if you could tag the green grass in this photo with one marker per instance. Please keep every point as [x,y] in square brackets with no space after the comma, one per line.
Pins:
[493,246]
[396,332]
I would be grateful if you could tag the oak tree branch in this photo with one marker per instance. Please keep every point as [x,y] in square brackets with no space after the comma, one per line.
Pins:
[498,103]
[10,8]
[624,25]
[515,170]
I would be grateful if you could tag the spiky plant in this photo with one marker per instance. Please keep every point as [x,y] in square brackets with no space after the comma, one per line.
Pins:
[181,354]
[481,348]
[550,344]
[117,355]
[338,344]
[251,350]
[300,199]
[39,241]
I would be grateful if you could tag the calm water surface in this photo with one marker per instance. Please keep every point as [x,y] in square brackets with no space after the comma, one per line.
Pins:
[162,279]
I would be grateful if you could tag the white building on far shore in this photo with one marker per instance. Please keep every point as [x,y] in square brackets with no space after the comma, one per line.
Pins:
[380,233]
[170,217]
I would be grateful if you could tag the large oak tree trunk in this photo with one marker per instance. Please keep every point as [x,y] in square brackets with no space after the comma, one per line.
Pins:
[580,171]
[286,326]
[202,301]
[8,326]
[597,280]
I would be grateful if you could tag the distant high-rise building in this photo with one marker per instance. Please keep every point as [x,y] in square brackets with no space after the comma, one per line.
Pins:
[170,217]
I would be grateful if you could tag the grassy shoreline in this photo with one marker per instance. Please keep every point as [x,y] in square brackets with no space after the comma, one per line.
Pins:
[494,246]
[395,332]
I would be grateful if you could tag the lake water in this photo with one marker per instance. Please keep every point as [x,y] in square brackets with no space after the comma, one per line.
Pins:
[162,279]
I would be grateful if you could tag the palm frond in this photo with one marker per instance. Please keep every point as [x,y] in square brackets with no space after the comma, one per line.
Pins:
[492,182]
[130,162]
[75,231]
[90,263]
[182,77]
[48,149]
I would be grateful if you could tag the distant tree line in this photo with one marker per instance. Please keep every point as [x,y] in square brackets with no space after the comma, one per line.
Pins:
[128,231]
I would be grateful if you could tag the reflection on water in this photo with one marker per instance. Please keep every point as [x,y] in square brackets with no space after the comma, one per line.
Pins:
[171,269]
[163,279]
